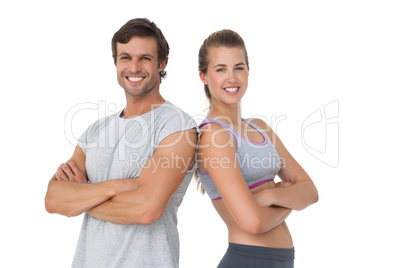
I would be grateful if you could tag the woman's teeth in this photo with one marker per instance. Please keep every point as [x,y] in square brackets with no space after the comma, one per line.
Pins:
[231,89]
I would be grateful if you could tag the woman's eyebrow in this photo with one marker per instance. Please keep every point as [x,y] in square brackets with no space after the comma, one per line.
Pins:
[220,65]
[224,65]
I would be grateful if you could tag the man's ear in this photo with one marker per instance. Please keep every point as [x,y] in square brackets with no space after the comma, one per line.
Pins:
[203,78]
[163,64]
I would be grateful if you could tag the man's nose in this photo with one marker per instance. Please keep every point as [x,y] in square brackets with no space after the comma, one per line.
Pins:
[135,66]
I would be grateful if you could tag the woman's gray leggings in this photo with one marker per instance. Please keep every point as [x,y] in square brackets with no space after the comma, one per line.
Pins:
[245,256]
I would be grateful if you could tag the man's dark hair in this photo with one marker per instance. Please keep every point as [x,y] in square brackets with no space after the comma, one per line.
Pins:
[142,27]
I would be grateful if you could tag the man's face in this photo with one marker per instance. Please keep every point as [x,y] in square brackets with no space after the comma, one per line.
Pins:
[137,66]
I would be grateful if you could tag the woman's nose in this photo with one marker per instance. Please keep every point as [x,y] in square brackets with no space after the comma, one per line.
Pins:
[231,77]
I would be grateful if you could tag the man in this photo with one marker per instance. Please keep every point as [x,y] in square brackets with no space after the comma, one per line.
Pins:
[130,171]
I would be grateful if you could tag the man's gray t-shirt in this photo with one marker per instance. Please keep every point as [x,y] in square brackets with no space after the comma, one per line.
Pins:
[117,148]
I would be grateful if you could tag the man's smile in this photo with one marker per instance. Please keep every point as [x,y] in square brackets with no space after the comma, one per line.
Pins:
[135,78]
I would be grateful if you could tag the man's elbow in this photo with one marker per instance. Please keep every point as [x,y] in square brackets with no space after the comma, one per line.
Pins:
[53,206]
[49,205]
[147,216]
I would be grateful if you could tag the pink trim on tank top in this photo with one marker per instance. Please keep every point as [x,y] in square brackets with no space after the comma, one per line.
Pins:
[251,186]
[233,132]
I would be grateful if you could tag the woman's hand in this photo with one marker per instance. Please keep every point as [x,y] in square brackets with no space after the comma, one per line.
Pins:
[265,198]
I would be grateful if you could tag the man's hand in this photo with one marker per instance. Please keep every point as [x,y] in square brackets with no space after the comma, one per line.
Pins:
[69,172]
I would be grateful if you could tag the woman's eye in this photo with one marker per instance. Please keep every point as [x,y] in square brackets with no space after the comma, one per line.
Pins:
[220,70]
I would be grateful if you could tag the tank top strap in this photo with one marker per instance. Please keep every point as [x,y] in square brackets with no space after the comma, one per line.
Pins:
[257,128]
[207,121]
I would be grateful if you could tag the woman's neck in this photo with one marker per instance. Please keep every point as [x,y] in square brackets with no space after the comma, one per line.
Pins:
[230,114]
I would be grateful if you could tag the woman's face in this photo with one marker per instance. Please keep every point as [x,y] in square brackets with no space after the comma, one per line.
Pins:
[227,75]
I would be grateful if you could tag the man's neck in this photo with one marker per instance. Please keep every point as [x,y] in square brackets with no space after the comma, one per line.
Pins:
[138,105]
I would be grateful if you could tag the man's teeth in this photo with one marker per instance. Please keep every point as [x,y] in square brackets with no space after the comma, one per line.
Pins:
[135,79]
[231,89]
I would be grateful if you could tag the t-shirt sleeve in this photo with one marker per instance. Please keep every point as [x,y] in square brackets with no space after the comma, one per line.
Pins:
[173,120]
[82,142]
[87,139]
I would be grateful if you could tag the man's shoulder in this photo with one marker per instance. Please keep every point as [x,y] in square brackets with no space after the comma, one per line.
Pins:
[100,124]
[169,119]
[171,113]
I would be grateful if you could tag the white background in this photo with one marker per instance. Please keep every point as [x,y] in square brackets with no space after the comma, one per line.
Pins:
[303,56]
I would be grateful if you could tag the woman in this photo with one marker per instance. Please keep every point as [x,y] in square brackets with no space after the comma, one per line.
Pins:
[238,160]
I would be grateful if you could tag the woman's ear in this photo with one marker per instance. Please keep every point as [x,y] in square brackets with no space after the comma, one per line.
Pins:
[203,78]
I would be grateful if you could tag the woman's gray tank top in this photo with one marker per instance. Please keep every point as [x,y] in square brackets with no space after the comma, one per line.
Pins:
[259,162]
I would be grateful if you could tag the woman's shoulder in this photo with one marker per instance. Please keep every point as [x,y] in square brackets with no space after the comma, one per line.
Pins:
[259,122]
[263,126]
[215,134]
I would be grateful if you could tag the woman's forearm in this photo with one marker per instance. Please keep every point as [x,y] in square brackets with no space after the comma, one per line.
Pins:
[298,196]
[273,216]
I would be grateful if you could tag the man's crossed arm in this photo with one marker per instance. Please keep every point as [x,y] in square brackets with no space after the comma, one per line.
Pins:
[125,201]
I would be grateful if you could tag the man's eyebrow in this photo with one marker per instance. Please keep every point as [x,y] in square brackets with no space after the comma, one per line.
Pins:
[123,54]
[147,55]
[142,55]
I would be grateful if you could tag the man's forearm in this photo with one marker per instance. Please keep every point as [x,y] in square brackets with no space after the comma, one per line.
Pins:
[127,208]
[111,211]
[72,198]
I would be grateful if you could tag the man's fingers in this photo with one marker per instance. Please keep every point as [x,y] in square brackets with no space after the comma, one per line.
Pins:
[67,170]
[70,172]
[78,176]
[73,167]
[60,175]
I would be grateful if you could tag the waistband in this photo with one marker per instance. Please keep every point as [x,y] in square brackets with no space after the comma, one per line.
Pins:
[266,253]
